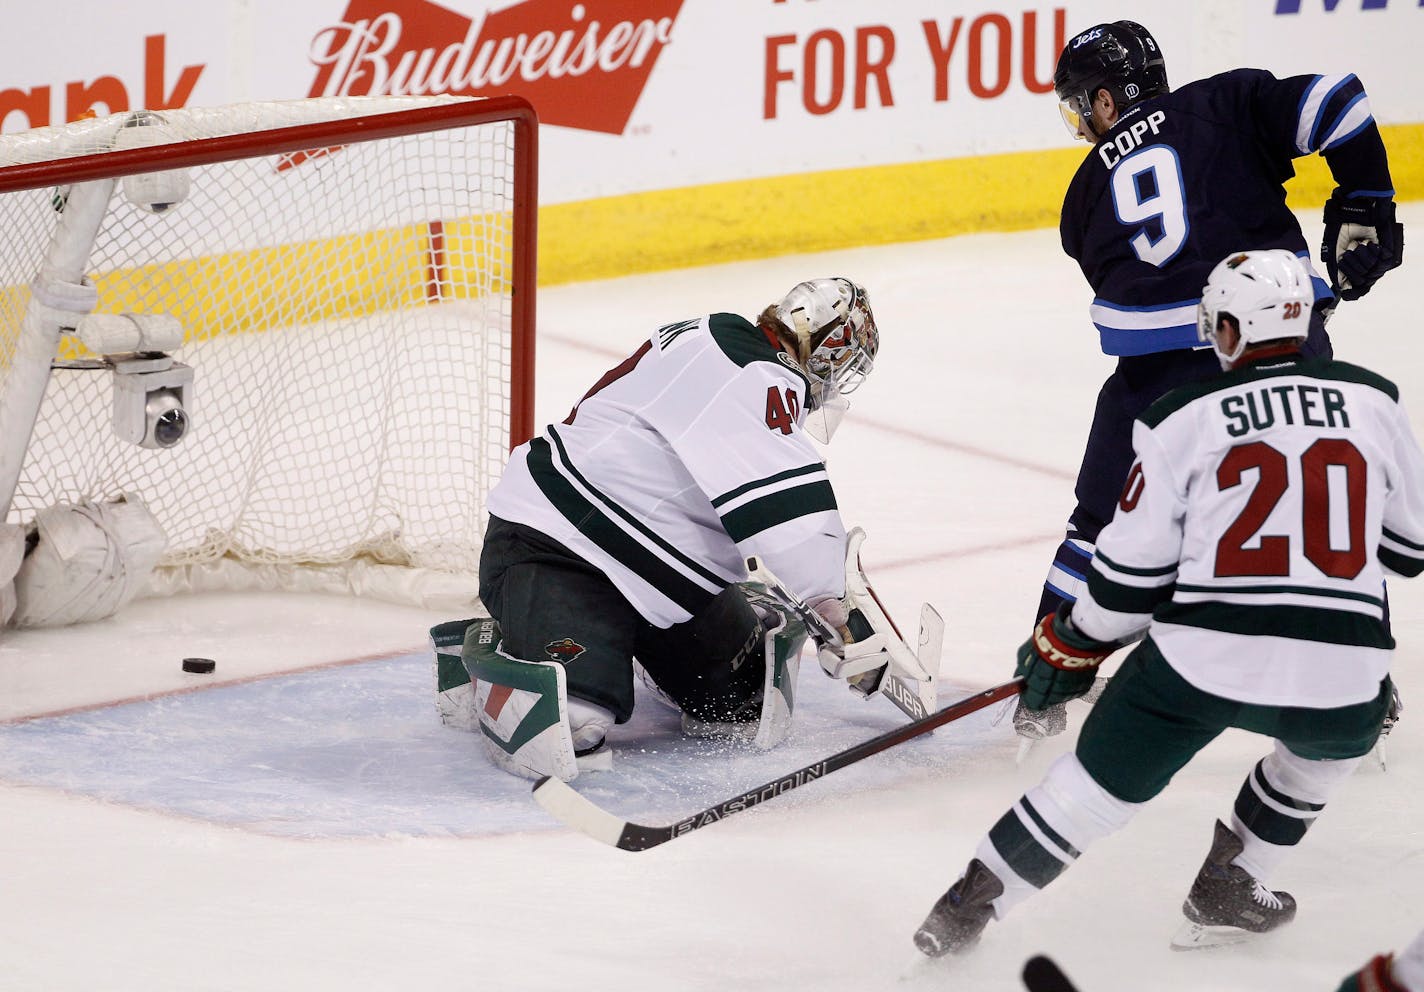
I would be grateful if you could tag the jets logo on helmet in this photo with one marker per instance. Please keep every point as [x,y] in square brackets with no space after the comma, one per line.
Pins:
[1121,57]
[1087,36]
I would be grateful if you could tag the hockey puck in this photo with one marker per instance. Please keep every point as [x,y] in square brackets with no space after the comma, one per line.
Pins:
[201,666]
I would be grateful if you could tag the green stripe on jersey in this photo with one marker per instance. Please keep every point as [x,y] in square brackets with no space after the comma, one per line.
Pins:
[1401,541]
[1304,623]
[1330,371]
[744,342]
[1402,564]
[1122,598]
[1283,590]
[648,533]
[593,523]
[766,512]
[740,339]
[1131,570]
[790,473]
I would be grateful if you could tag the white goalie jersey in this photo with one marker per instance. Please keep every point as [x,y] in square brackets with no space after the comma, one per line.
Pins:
[680,463]
[1255,531]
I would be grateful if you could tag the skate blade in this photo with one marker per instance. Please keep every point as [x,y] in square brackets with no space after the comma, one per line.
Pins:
[1197,937]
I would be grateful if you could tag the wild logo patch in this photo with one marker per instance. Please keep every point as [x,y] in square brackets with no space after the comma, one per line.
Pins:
[564,650]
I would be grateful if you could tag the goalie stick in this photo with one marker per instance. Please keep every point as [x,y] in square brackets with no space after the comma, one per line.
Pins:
[575,810]
[916,699]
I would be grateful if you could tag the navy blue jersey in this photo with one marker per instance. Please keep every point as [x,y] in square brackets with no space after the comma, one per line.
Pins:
[1184,179]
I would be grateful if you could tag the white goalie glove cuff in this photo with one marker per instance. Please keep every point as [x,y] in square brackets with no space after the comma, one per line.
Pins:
[855,658]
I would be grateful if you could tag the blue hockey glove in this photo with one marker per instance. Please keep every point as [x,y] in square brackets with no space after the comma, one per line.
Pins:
[1058,663]
[1362,242]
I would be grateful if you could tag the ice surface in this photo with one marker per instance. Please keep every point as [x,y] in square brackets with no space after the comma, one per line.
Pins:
[319,831]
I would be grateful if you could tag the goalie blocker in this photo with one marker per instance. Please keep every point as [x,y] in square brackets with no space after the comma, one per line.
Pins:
[533,728]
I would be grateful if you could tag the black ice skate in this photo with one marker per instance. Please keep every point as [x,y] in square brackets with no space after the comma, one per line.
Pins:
[1227,904]
[1391,717]
[961,914]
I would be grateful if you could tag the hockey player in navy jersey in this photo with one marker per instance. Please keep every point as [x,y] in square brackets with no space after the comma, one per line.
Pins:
[622,534]
[1249,544]
[1174,181]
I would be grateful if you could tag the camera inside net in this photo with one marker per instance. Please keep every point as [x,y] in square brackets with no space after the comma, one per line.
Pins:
[151,400]
[153,394]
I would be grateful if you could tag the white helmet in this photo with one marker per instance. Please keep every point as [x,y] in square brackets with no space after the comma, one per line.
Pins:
[836,336]
[1269,294]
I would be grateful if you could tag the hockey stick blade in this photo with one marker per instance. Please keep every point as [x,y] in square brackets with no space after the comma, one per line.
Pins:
[567,806]
[1040,974]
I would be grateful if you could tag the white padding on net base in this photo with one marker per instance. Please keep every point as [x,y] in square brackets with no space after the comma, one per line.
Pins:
[450,592]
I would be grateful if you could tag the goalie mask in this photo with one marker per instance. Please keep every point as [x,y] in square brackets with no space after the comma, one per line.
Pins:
[836,342]
[1267,292]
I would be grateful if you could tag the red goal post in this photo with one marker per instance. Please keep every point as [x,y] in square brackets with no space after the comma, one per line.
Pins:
[355,284]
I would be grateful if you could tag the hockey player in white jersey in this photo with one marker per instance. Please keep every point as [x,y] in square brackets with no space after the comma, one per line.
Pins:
[1250,545]
[622,533]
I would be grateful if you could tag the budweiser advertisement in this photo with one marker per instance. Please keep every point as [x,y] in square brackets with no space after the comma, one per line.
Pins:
[582,65]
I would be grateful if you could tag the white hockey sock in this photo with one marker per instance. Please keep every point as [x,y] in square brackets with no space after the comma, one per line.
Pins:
[1048,828]
[1279,801]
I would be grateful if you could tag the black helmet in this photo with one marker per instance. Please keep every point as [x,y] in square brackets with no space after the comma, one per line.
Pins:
[1121,57]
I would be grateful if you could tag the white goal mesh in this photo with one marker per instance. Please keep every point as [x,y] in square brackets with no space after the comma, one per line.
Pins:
[352,310]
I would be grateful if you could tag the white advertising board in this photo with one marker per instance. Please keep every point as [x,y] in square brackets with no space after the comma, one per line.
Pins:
[642,95]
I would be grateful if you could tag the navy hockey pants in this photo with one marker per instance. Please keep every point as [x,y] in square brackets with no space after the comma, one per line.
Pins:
[1136,383]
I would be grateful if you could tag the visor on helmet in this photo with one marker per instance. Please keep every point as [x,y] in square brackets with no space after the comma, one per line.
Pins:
[1075,115]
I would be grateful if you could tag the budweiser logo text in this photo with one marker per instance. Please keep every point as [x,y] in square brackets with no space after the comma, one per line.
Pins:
[539,49]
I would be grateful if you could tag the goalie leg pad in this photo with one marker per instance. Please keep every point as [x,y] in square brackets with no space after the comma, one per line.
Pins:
[526,718]
[454,691]
[778,696]
[765,718]
[88,560]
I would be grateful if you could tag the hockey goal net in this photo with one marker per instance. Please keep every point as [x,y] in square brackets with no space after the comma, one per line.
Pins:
[354,282]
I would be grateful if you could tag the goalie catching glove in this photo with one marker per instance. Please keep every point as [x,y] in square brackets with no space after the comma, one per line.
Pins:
[866,640]
[1362,242]
[1058,662]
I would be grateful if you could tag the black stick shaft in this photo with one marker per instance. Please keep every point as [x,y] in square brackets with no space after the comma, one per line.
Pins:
[1040,974]
[636,837]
